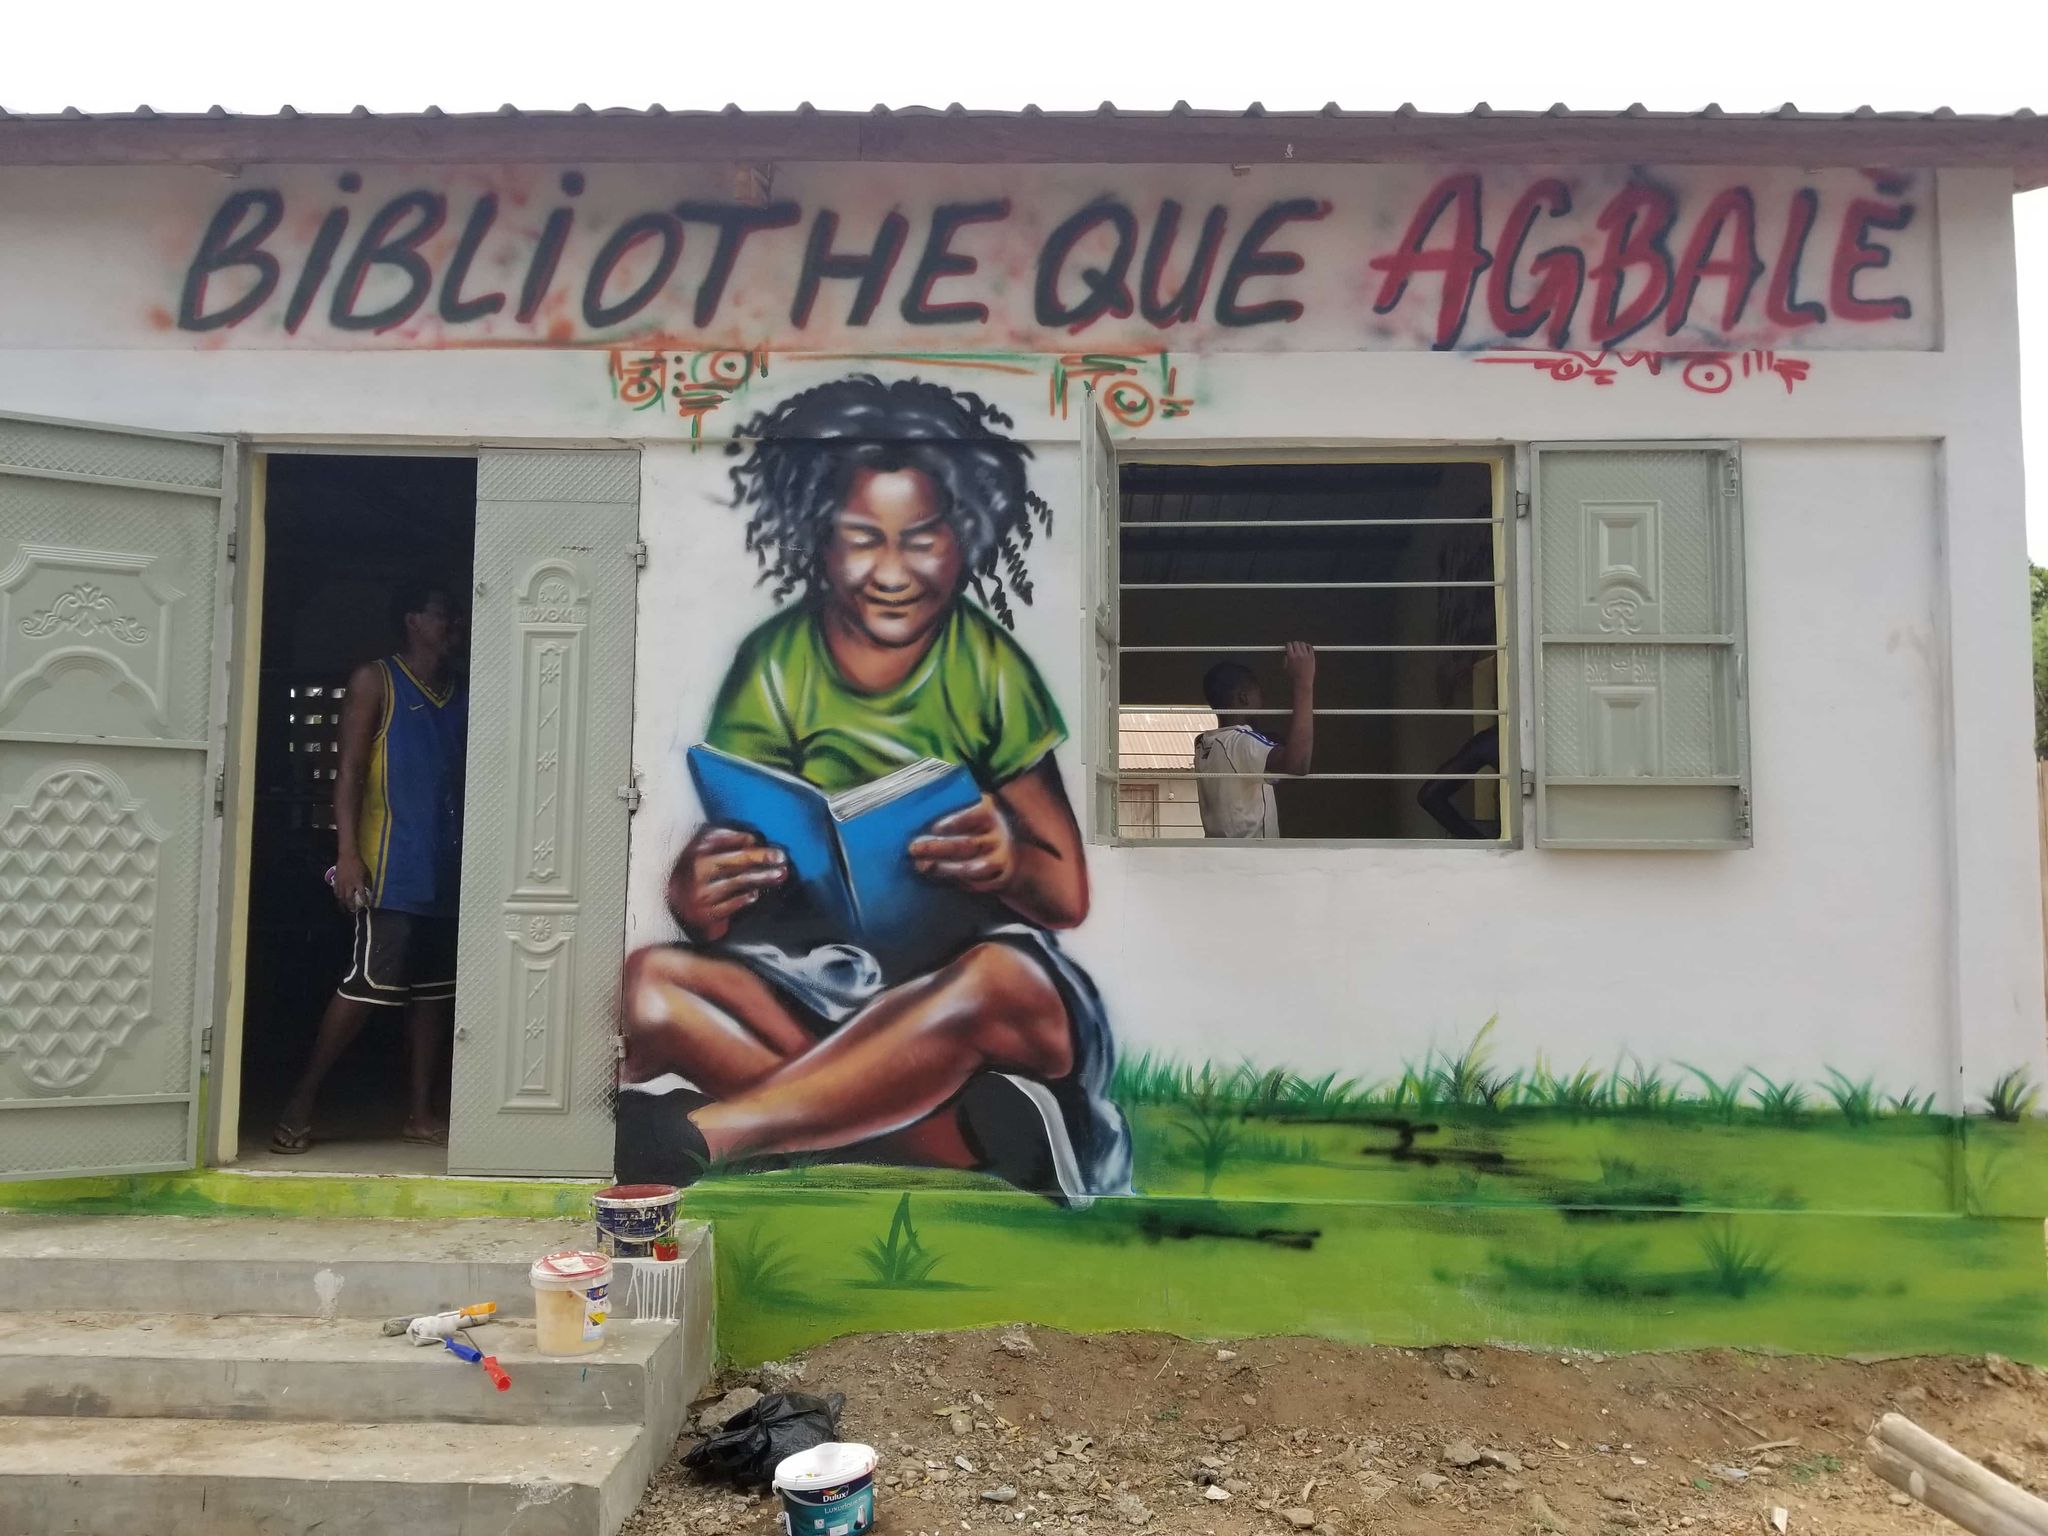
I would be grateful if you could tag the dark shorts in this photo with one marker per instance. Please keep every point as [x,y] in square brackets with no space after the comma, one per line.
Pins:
[397,958]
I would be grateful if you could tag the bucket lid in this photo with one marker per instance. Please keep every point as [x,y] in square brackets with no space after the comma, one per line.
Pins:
[563,1271]
[836,1461]
[639,1195]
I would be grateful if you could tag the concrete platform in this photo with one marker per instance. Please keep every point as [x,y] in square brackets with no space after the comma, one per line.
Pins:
[205,1477]
[120,1365]
[227,1266]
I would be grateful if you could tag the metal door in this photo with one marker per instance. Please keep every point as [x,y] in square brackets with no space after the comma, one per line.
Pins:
[113,643]
[546,805]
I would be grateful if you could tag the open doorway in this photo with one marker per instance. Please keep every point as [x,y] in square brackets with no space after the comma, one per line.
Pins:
[348,539]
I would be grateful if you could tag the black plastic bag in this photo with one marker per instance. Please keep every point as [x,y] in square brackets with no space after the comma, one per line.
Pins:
[755,1440]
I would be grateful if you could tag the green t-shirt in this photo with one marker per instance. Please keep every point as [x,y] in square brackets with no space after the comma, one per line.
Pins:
[975,699]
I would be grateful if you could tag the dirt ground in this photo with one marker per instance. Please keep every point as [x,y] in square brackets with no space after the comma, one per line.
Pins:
[1026,1429]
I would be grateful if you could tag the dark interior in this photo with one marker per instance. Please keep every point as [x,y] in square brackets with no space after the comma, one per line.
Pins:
[340,533]
[1315,527]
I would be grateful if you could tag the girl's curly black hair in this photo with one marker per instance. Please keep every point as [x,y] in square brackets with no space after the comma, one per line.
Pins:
[802,455]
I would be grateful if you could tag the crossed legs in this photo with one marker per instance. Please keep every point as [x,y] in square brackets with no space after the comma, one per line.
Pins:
[881,1078]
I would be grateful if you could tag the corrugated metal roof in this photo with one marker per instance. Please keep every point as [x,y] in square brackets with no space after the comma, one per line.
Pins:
[1712,112]
[955,134]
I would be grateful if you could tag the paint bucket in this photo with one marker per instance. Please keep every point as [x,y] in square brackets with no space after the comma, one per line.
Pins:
[636,1221]
[828,1490]
[571,1299]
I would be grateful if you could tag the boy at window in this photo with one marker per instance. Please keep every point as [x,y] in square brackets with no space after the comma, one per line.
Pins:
[1237,760]
[885,506]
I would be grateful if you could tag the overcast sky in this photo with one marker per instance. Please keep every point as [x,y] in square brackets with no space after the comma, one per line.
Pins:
[1973,55]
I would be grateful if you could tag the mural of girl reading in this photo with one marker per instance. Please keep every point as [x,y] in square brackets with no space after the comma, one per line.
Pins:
[869,971]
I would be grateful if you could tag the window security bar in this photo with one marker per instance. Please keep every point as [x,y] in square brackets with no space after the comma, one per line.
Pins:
[1298,586]
[1134,525]
[1493,648]
[1203,709]
[1134,775]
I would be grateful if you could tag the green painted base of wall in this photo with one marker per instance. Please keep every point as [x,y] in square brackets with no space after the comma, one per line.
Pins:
[1896,1235]
[226,1192]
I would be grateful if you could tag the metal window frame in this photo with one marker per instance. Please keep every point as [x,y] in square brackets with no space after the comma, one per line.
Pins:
[1732,560]
[1502,461]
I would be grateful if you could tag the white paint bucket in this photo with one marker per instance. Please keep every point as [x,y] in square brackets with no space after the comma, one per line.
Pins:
[828,1490]
[571,1299]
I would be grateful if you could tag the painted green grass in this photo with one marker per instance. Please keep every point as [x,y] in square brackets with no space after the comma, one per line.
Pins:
[1401,1273]
[1738,1213]
[1470,1081]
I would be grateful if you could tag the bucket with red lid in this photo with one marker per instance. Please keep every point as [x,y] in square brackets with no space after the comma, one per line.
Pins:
[636,1221]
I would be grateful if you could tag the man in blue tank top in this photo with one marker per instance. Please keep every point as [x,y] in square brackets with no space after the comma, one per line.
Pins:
[398,823]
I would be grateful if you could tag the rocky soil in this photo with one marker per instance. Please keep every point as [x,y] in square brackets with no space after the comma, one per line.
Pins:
[1029,1430]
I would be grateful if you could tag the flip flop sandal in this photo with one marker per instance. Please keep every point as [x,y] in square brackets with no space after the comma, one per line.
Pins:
[289,1142]
[420,1138]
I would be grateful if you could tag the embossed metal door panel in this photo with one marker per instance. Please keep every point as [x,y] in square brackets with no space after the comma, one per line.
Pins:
[112,678]
[544,828]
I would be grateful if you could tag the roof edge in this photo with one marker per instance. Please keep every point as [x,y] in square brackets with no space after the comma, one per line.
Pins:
[2018,142]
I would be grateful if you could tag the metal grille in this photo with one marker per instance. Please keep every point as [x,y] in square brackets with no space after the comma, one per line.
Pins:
[1393,572]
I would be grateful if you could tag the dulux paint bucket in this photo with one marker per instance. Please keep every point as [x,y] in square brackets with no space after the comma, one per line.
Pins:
[828,1490]
[636,1221]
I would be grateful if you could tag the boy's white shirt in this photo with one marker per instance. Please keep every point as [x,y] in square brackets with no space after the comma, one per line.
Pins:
[1243,805]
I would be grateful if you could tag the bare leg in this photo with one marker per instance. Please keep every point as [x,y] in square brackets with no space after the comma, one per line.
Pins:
[712,1020]
[427,1026]
[901,1058]
[719,1024]
[339,1026]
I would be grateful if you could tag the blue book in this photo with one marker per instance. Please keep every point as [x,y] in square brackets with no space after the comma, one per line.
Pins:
[851,880]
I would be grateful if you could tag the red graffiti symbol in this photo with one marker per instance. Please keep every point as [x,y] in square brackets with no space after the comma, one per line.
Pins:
[1704,373]
[1129,402]
[1709,375]
[639,379]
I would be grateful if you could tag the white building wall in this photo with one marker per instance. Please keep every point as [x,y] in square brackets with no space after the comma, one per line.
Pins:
[1886,923]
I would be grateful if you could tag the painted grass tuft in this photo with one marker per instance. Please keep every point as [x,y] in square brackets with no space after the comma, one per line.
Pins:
[2013,1096]
[1780,1103]
[900,1260]
[1736,1265]
[1857,1102]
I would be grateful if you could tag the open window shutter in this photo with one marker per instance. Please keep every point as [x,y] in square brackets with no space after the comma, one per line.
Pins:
[1101,512]
[1642,724]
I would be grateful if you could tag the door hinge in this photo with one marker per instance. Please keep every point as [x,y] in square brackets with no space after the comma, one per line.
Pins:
[630,793]
[234,542]
[638,550]
[1521,504]
[220,793]
[619,1047]
[206,1051]
[1742,826]
[1528,776]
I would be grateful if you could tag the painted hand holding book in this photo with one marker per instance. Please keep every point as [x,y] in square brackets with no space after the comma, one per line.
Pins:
[851,880]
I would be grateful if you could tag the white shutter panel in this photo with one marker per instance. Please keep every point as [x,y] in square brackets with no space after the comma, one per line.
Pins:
[1101,514]
[1100,517]
[1642,736]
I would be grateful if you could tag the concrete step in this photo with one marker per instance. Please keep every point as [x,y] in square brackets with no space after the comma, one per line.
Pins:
[118,1365]
[259,1266]
[209,1477]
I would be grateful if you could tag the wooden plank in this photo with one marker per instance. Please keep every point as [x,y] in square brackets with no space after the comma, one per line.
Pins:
[1945,1480]
[916,136]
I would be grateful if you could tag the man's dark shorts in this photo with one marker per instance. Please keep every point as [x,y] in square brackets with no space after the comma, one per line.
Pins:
[400,957]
